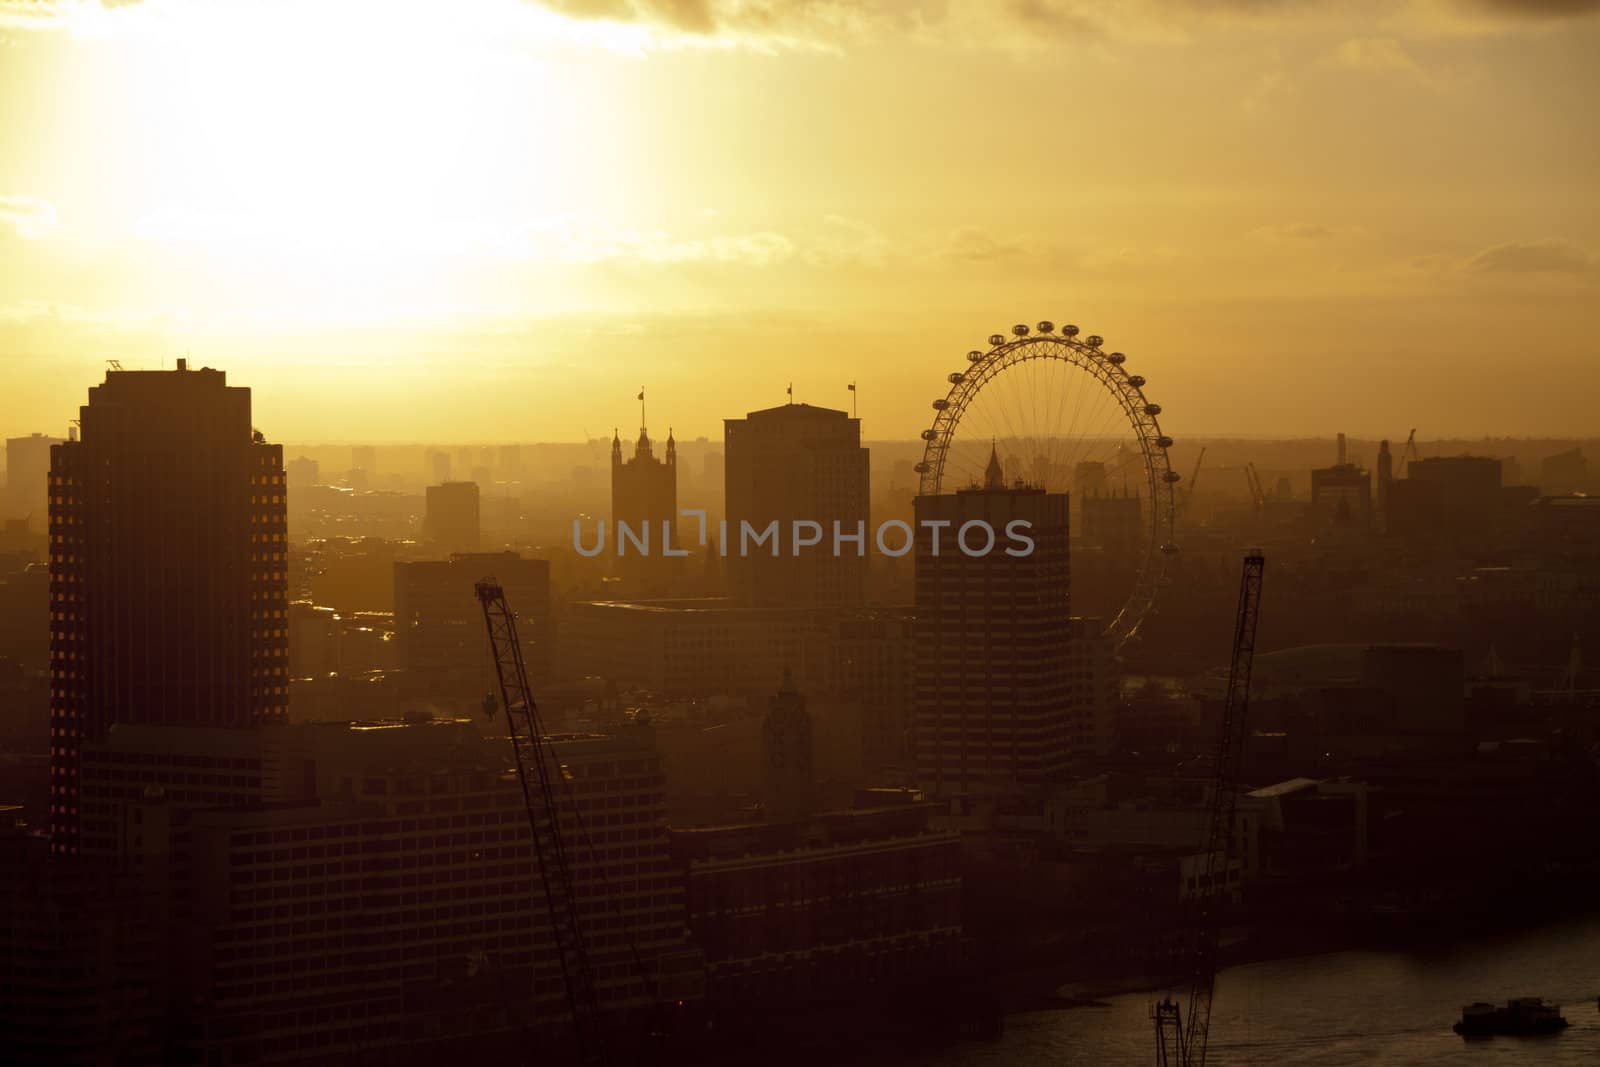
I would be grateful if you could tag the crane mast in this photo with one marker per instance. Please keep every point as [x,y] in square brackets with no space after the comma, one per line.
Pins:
[539,774]
[1182,1034]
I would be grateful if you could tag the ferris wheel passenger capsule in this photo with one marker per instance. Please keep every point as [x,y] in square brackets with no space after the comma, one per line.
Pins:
[1136,380]
[1069,331]
[1117,358]
[930,435]
[1020,329]
[1047,326]
[1169,549]
[922,467]
[1094,340]
[1152,409]
[997,339]
[1172,477]
[940,404]
[1163,441]
[956,377]
[974,356]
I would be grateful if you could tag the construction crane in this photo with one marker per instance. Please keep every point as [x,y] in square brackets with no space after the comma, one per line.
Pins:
[1194,478]
[1182,1034]
[539,773]
[1409,455]
[1258,493]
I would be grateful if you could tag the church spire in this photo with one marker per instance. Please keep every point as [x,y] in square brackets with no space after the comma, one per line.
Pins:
[993,476]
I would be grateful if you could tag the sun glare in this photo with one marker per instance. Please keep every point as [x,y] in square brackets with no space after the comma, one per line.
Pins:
[377,146]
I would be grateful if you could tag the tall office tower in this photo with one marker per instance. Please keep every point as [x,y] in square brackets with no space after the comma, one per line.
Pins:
[168,573]
[789,464]
[27,475]
[451,522]
[439,465]
[1385,480]
[509,458]
[994,685]
[644,495]
[364,458]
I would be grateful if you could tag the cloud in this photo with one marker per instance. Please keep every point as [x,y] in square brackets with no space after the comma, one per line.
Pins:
[1375,53]
[1535,257]
[969,244]
[1539,8]
[29,216]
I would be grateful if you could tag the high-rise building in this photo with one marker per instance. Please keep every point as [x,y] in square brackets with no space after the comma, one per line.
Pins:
[365,458]
[27,477]
[789,464]
[994,685]
[452,519]
[644,497]
[303,472]
[439,465]
[168,568]
[1385,482]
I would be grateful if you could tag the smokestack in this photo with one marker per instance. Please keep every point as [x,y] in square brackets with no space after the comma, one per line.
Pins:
[1341,450]
[183,364]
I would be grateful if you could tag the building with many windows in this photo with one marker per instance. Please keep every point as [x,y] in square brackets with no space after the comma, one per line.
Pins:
[168,568]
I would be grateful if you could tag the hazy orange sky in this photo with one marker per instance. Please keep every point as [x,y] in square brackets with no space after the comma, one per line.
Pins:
[496,220]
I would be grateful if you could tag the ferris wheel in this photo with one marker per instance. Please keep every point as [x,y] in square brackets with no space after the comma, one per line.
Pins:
[1066,416]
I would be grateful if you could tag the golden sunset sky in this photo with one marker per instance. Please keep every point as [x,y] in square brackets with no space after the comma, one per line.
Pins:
[497,219]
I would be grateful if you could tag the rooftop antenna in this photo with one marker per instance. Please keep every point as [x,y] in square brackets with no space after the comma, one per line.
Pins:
[852,388]
[642,422]
[790,391]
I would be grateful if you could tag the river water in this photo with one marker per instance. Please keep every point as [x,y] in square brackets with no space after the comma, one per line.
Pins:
[1356,1007]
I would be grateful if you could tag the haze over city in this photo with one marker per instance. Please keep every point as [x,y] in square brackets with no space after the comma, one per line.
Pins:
[904,533]
[1296,217]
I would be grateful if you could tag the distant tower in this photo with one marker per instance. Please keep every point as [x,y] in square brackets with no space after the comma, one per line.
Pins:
[994,681]
[168,566]
[644,494]
[1385,477]
[797,463]
[786,754]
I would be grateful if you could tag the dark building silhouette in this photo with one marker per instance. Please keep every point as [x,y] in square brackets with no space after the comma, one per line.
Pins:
[786,754]
[1113,521]
[27,475]
[644,497]
[843,905]
[797,463]
[168,568]
[1564,472]
[994,683]
[439,622]
[1384,483]
[452,522]
[1446,496]
[1341,495]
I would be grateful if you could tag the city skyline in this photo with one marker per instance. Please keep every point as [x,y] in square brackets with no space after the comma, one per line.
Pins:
[1345,197]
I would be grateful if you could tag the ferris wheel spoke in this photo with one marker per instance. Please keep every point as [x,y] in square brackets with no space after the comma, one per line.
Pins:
[1056,411]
